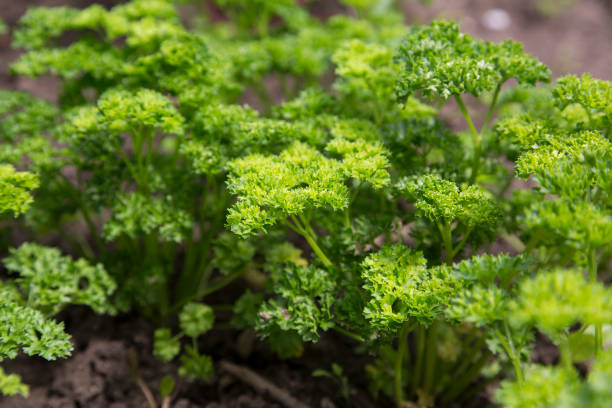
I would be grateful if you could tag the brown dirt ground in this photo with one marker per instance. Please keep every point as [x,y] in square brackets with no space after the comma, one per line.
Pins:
[576,40]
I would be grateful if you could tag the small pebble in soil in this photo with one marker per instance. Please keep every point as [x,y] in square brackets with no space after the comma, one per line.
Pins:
[496,19]
[327,403]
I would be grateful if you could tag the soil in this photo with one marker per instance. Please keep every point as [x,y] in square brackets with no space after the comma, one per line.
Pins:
[576,40]
[100,373]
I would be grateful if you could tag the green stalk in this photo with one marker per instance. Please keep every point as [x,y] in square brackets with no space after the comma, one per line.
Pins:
[485,125]
[306,231]
[459,366]
[567,257]
[469,394]
[216,285]
[402,345]
[445,231]
[461,243]
[317,250]
[262,25]
[592,266]
[92,228]
[93,231]
[219,283]
[190,253]
[467,379]
[477,139]
[508,345]
[347,220]
[430,357]
[135,174]
[199,268]
[534,240]
[420,354]
[474,348]
[349,334]
[566,352]
[516,360]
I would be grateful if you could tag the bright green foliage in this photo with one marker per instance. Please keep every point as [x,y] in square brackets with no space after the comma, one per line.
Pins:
[158,52]
[231,253]
[15,190]
[442,202]
[304,303]
[581,224]
[594,95]
[367,75]
[440,60]
[575,166]
[398,219]
[285,253]
[299,180]
[485,296]
[480,305]
[246,310]
[403,288]
[257,12]
[10,384]
[97,137]
[560,387]
[25,329]
[595,392]
[124,111]
[165,347]
[568,152]
[24,122]
[29,140]
[195,365]
[166,386]
[338,376]
[470,211]
[543,388]
[557,300]
[49,281]
[134,214]
[3,27]
[196,319]
[491,270]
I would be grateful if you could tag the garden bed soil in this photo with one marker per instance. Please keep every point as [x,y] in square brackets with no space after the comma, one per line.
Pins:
[98,373]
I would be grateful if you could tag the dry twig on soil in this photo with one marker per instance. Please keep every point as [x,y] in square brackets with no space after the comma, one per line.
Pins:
[261,384]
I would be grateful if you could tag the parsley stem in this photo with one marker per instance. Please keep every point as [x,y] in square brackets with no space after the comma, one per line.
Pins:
[461,243]
[347,220]
[476,138]
[214,286]
[445,232]
[82,206]
[485,125]
[420,353]
[430,357]
[349,334]
[467,378]
[592,266]
[566,352]
[262,25]
[317,250]
[467,350]
[516,359]
[508,345]
[402,345]
[306,231]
